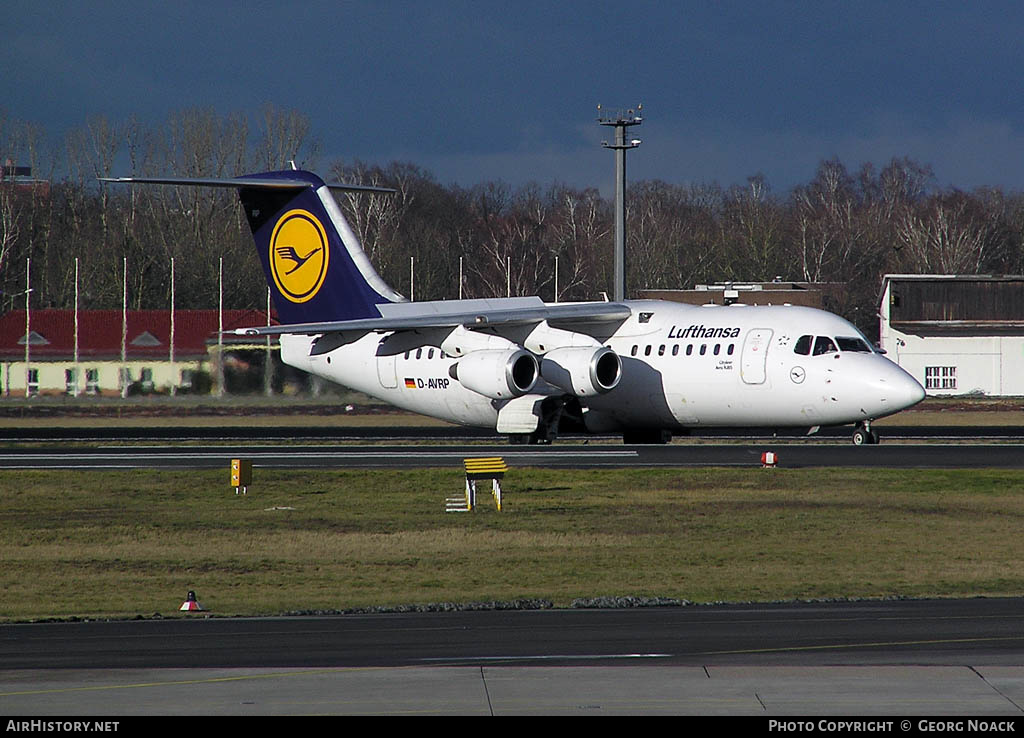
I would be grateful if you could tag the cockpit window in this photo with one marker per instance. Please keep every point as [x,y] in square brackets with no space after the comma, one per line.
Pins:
[823,345]
[803,345]
[852,343]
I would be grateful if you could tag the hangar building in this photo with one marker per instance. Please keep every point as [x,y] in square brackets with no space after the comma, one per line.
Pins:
[957,335]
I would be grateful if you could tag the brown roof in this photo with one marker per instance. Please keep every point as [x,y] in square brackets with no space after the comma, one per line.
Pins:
[99,333]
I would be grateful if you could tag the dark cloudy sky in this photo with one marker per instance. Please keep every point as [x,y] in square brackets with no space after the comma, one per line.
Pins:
[478,91]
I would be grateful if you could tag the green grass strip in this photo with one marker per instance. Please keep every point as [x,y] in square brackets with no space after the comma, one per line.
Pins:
[123,544]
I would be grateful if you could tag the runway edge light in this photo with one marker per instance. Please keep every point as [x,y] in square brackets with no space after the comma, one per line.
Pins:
[190,604]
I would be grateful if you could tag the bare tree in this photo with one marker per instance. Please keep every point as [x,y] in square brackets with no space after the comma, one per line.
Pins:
[947,236]
[285,137]
[672,234]
[377,218]
[581,228]
[24,203]
[510,257]
[752,232]
[828,227]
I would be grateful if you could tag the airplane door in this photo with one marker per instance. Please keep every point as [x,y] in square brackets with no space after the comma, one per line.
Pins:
[386,372]
[755,355]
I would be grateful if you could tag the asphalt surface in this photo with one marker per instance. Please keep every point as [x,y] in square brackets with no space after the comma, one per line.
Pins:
[374,447]
[898,632]
[935,455]
[349,434]
[912,660]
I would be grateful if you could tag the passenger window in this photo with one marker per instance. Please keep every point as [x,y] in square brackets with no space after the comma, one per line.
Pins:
[675,350]
[703,349]
[406,355]
[823,345]
[718,347]
[803,345]
[731,347]
[419,353]
[632,351]
[647,350]
[661,350]
[689,349]
[430,354]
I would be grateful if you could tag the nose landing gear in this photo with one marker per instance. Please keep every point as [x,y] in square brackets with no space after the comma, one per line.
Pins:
[864,436]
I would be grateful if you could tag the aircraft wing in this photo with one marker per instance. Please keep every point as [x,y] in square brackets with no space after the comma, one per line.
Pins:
[453,313]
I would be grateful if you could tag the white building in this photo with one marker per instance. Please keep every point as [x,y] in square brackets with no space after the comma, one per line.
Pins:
[957,335]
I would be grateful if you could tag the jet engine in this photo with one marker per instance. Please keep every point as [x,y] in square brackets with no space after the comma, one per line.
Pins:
[500,375]
[583,371]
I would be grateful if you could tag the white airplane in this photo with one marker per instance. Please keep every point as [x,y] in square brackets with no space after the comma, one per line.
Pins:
[530,369]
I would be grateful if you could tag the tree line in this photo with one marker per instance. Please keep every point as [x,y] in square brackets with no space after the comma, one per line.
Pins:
[845,226]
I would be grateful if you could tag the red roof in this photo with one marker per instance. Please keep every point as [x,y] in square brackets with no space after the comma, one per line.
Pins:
[99,333]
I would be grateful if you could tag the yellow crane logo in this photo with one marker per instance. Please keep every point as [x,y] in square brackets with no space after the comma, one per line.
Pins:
[299,254]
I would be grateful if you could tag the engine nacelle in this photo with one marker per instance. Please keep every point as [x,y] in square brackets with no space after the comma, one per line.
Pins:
[583,371]
[500,375]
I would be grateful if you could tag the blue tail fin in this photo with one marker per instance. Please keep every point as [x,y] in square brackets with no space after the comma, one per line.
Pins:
[314,264]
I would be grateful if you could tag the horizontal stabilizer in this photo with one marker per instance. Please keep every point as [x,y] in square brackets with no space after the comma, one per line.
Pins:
[267,183]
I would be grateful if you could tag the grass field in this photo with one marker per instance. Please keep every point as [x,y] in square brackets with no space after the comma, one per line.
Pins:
[121,544]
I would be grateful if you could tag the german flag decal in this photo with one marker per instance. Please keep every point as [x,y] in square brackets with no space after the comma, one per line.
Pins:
[410,383]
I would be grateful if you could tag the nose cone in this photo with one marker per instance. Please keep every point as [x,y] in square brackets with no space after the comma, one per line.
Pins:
[894,388]
[907,391]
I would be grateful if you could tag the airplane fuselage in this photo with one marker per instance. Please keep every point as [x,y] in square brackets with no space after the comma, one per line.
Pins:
[683,366]
[529,369]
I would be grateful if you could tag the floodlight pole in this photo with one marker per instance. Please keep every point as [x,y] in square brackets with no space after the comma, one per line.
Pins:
[621,120]
[28,324]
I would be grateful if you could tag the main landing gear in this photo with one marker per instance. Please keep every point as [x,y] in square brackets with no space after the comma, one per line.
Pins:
[552,410]
[864,436]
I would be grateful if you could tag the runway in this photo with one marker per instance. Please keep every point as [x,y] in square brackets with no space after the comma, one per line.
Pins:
[897,632]
[455,434]
[911,657]
[326,447]
[791,455]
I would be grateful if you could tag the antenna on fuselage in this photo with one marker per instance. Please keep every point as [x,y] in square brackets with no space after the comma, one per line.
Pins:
[621,119]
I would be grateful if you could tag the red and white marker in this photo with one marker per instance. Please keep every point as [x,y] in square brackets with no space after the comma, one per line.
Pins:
[769,459]
[190,603]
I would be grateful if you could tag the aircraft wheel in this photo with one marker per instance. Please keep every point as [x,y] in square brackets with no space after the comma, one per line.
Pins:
[541,438]
[864,437]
